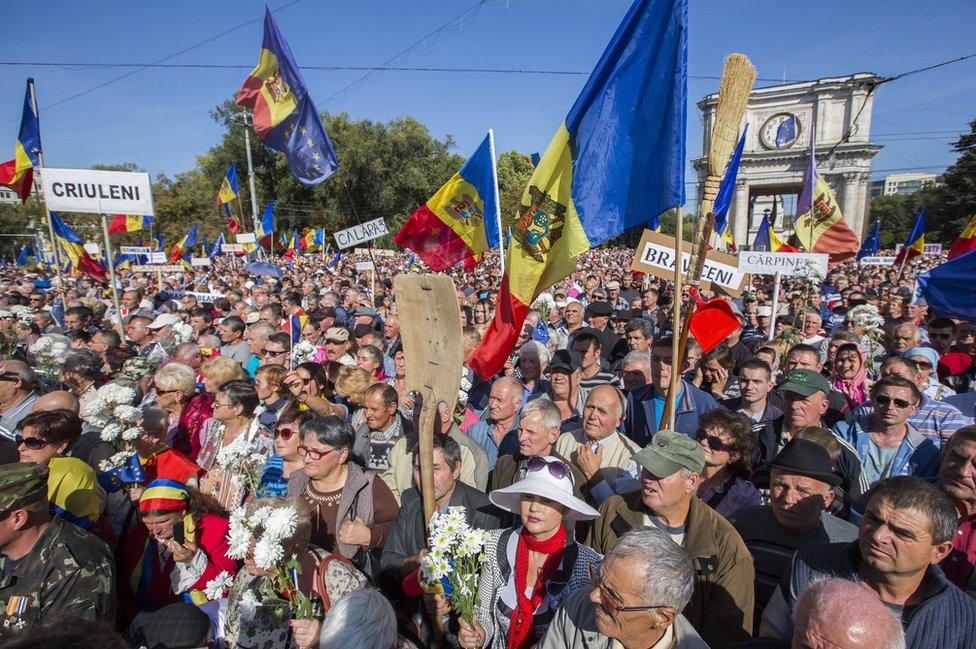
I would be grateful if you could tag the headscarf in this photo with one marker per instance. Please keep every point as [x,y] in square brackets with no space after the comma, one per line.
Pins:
[853,389]
[71,491]
[165,495]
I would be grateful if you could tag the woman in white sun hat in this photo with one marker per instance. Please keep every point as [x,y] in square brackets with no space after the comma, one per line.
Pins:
[530,569]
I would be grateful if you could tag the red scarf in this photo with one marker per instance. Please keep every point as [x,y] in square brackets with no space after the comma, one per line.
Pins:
[520,631]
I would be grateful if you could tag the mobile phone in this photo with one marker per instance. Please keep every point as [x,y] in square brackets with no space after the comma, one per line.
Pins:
[179,534]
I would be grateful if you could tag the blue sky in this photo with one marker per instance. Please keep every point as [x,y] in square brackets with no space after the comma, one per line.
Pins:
[158,118]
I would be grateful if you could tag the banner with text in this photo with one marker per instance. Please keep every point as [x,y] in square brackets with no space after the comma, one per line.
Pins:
[785,263]
[655,256]
[97,192]
[361,233]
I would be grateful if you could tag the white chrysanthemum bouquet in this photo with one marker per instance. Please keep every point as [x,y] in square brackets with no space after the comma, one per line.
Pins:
[113,412]
[240,461]
[302,352]
[453,565]
[48,355]
[263,533]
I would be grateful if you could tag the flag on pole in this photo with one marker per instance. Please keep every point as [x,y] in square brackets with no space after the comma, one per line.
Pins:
[915,243]
[966,241]
[265,233]
[185,245]
[217,246]
[767,241]
[319,238]
[723,200]
[128,223]
[79,261]
[335,260]
[18,174]
[284,116]
[654,225]
[23,255]
[949,288]
[462,220]
[159,242]
[871,244]
[228,191]
[819,224]
[617,159]
[786,131]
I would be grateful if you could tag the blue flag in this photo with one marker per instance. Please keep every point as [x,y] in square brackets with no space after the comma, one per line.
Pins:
[723,200]
[217,246]
[786,131]
[540,333]
[25,252]
[949,288]
[284,116]
[762,242]
[335,260]
[871,244]
[129,473]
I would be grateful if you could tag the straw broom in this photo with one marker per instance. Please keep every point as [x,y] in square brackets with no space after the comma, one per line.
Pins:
[738,77]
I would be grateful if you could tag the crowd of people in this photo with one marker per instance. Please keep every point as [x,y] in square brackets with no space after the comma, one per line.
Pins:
[814,487]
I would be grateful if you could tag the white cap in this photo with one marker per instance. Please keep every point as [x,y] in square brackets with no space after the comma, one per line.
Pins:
[164,320]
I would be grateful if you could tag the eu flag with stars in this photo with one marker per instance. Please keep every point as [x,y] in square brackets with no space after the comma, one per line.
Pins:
[786,131]
[283,113]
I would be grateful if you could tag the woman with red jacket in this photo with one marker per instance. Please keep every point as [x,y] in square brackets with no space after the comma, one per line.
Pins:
[174,554]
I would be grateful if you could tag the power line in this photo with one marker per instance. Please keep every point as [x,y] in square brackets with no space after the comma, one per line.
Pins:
[158,61]
[82,66]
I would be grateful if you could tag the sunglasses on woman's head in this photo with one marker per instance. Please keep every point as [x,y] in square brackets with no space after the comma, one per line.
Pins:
[33,443]
[556,468]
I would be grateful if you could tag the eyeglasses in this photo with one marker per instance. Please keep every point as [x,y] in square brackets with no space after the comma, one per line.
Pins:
[715,443]
[33,443]
[557,469]
[273,352]
[312,453]
[885,400]
[284,433]
[607,600]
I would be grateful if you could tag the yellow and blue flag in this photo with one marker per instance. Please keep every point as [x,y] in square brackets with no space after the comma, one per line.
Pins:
[871,244]
[618,158]
[915,243]
[462,220]
[128,223]
[284,116]
[185,246]
[723,200]
[18,174]
[78,259]
[228,190]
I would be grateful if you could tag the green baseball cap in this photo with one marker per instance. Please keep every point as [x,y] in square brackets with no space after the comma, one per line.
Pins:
[669,452]
[21,483]
[806,382]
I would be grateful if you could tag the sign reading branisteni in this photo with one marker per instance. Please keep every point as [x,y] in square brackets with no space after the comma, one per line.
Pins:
[655,255]
[97,192]
[359,233]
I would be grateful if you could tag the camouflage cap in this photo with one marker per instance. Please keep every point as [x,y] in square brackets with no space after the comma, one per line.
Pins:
[137,368]
[21,483]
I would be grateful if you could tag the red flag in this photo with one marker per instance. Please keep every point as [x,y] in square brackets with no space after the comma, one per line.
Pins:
[233,225]
[21,184]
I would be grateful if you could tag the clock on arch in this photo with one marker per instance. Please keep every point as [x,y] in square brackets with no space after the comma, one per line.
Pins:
[780,131]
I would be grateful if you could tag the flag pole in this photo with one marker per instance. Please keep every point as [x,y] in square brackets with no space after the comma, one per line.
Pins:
[676,318]
[111,270]
[498,204]
[159,272]
[772,317]
[40,158]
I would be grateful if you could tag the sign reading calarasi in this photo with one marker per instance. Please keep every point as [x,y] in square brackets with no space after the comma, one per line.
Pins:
[361,233]
[97,192]
[655,256]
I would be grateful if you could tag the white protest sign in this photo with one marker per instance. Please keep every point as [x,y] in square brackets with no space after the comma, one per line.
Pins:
[379,252]
[135,250]
[785,263]
[200,261]
[92,249]
[364,265]
[876,261]
[655,255]
[157,258]
[361,233]
[246,237]
[162,268]
[204,297]
[927,248]
[230,248]
[97,192]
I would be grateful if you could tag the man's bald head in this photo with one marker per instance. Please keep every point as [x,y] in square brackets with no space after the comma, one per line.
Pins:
[59,399]
[155,421]
[839,613]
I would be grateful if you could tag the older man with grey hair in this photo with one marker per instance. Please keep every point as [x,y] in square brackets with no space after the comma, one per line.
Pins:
[635,601]
[17,395]
[635,369]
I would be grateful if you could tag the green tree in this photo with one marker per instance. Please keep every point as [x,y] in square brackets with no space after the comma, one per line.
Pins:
[514,172]
[897,213]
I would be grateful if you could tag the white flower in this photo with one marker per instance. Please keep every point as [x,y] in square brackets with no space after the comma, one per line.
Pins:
[239,534]
[267,553]
[248,605]
[115,461]
[281,523]
[259,517]
[127,413]
[441,542]
[302,351]
[111,432]
[180,333]
[131,434]
[216,587]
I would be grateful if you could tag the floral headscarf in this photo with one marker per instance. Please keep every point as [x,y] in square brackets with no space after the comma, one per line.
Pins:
[855,389]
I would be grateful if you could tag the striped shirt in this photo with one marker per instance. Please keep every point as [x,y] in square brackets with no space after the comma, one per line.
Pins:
[937,420]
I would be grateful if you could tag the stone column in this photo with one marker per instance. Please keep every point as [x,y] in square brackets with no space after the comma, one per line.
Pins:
[740,213]
[849,207]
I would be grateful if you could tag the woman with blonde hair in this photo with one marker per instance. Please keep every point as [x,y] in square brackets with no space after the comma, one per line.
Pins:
[351,386]
[218,371]
[188,410]
[323,577]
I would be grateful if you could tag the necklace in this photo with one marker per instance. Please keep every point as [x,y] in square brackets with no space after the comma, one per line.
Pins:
[328,500]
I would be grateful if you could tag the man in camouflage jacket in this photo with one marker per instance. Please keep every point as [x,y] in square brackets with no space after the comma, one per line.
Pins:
[49,568]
